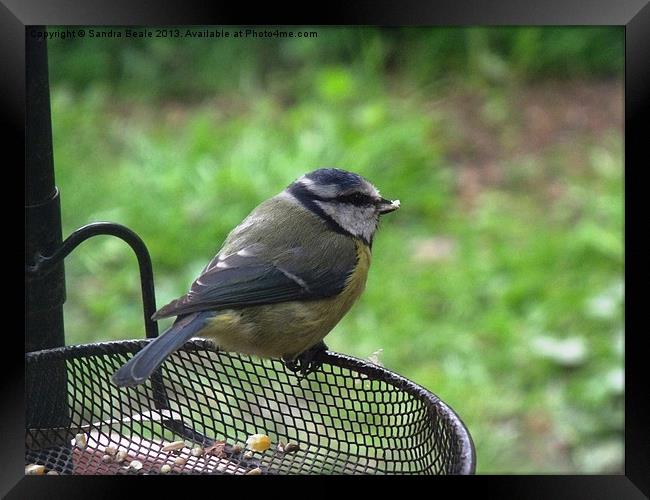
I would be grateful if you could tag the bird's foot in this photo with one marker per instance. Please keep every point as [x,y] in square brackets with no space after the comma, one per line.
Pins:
[307,361]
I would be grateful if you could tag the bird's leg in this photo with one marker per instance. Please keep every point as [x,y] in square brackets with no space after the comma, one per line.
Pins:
[307,361]
[290,364]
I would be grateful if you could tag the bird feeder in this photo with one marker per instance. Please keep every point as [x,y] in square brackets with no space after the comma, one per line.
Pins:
[198,411]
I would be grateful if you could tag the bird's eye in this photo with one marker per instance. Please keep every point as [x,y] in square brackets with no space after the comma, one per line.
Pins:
[355,199]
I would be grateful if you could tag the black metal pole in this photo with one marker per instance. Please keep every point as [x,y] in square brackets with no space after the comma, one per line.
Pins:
[45,391]
[45,294]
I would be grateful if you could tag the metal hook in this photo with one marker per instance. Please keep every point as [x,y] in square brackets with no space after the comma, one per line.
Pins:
[43,264]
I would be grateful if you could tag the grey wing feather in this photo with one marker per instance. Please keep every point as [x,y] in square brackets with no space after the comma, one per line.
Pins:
[251,277]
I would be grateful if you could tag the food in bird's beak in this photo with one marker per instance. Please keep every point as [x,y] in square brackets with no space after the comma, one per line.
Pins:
[387,206]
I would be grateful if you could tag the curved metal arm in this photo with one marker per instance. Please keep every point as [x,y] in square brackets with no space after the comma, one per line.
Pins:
[43,264]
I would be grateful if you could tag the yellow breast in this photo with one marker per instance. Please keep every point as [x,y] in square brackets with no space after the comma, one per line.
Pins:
[357,281]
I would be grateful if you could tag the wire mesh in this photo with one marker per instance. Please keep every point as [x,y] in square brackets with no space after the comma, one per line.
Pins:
[350,417]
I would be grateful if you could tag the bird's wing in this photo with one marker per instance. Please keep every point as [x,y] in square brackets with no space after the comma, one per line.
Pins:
[255,275]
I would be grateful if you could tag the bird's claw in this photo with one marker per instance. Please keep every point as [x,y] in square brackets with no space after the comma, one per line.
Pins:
[308,361]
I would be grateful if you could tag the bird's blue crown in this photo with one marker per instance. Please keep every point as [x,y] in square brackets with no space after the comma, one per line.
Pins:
[336,176]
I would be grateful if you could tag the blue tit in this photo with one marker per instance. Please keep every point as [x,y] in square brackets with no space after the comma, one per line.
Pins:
[283,278]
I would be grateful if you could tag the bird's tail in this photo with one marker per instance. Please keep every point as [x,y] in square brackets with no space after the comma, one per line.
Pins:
[140,366]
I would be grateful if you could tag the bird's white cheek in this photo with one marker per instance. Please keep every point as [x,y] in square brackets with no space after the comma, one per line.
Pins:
[358,221]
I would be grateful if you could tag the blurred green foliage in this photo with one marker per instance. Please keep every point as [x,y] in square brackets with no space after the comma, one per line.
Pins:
[508,305]
[198,68]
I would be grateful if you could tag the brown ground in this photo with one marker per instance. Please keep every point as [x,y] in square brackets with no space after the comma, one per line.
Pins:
[547,115]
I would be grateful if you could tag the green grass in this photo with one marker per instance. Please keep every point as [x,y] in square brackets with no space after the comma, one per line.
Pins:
[507,306]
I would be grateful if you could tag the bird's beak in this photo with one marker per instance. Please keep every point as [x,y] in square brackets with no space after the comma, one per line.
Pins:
[386,206]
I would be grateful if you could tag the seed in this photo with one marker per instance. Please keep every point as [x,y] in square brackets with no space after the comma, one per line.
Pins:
[197,451]
[291,448]
[35,469]
[52,473]
[176,445]
[254,472]
[248,455]
[180,461]
[121,456]
[135,464]
[216,448]
[164,469]
[81,440]
[107,459]
[258,442]
[237,448]
[110,450]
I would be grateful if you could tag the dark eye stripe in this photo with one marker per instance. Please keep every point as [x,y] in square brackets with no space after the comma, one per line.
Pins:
[357,199]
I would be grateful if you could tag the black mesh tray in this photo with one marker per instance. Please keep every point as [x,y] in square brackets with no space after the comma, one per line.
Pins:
[351,417]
